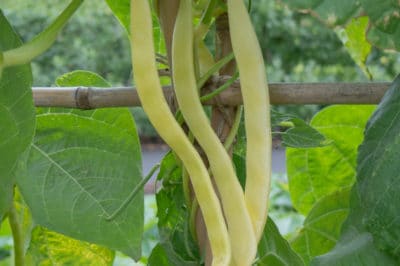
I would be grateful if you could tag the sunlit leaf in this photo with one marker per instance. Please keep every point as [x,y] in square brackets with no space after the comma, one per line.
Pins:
[316,172]
[354,39]
[50,248]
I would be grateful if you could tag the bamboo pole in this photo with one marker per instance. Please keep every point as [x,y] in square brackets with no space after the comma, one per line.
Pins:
[280,94]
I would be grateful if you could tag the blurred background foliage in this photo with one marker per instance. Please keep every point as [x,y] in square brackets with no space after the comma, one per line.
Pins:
[297,48]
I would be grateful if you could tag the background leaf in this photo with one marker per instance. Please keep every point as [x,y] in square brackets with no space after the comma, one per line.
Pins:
[321,228]
[81,167]
[331,12]
[273,249]
[378,172]
[316,172]
[17,115]
[354,38]
[385,15]
[385,20]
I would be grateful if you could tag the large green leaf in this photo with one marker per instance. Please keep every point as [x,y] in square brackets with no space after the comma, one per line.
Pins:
[316,172]
[273,249]
[81,168]
[17,114]
[321,228]
[355,246]
[50,248]
[379,171]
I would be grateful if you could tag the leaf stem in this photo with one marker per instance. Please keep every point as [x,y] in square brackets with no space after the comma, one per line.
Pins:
[133,194]
[19,256]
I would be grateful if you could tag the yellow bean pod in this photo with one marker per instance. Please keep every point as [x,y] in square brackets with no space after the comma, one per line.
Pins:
[243,242]
[155,106]
[256,110]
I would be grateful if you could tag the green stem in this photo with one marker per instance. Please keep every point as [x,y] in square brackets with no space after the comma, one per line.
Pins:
[220,89]
[27,52]
[208,14]
[192,218]
[19,256]
[235,127]
[186,186]
[221,63]
[133,194]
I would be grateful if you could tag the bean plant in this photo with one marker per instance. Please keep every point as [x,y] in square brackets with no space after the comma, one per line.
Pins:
[71,181]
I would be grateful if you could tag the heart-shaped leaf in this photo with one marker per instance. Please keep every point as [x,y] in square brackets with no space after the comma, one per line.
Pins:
[82,167]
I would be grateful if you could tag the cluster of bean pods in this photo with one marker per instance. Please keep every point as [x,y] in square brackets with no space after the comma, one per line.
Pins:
[235,222]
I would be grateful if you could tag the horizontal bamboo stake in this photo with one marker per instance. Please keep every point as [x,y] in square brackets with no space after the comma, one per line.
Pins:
[280,94]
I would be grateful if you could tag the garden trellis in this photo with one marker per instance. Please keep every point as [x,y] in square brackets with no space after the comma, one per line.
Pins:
[280,94]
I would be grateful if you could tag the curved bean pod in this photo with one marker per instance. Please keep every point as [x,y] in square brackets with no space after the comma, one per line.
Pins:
[240,229]
[155,106]
[256,110]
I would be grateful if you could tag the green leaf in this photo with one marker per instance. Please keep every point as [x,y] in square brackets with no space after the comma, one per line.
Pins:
[174,216]
[51,248]
[301,135]
[17,115]
[316,172]
[332,13]
[355,246]
[273,249]
[159,257]
[121,10]
[82,166]
[384,40]
[384,32]
[354,39]
[378,171]
[81,78]
[385,15]
[321,228]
